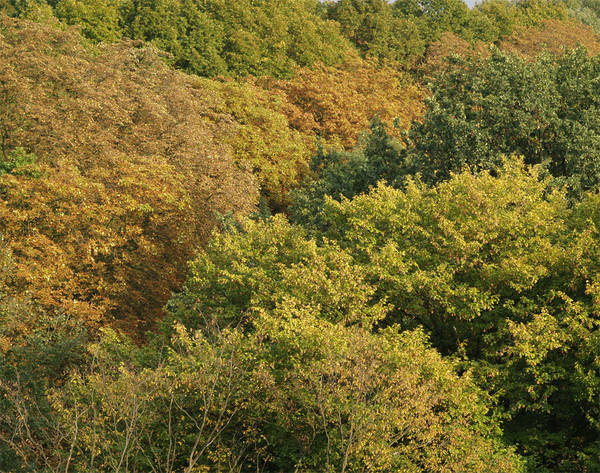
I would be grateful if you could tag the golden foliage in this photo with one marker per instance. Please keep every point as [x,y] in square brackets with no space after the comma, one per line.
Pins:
[281,121]
[335,104]
[133,168]
[450,44]
[553,36]
[265,140]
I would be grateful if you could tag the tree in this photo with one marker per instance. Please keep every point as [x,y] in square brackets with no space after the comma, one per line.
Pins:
[295,392]
[99,20]
[379,157]
[161,408]
[335,104]
[132,171]
[194,39]
[265,139]
[37,349]
[553,36]
[237,38]
[344,399]
[500,270]
[482,109]
[267,262]
[323,385]
[375,30]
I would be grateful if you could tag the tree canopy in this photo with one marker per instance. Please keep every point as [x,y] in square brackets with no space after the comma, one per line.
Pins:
[123,181]
[544,110]
[351,236]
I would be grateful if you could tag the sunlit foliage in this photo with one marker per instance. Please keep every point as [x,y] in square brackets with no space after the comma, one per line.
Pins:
[335,104]
[299,236]
[502,271]
[553,36]
[130,168]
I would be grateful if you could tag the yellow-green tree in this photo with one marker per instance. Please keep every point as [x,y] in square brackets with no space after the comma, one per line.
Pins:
[503,271]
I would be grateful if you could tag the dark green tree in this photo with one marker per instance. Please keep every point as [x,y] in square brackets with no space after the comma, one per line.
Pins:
[481,109]
[378,157]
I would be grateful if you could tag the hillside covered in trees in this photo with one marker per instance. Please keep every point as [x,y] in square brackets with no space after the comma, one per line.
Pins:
[281,236]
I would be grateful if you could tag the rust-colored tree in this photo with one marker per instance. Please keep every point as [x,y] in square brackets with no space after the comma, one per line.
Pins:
[435,59]
[335,104]
[553,36]
[132,170]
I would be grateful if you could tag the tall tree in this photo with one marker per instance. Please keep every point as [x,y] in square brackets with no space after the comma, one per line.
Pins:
[481,109]
[132,168]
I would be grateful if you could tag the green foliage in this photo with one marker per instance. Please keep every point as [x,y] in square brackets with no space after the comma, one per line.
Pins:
[346,174]
[427,247]
[242,273]
[293,391]
[545,110]
[436,16]
[506,16]
[99,19]
[503,272]
[194,39]
[236,38]
[19,162]
[377,31]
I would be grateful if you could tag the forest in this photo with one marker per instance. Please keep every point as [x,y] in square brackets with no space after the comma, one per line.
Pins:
[299,236]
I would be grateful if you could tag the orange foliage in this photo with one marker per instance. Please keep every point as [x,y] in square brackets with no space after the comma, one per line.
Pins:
[553,36]
[280,121]
[450,44]
[133,168]
[337,103]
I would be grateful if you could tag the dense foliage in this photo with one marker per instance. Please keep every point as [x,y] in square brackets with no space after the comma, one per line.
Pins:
[262,37]
[545,110]
[299,236]
[210,37]
[124,180]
